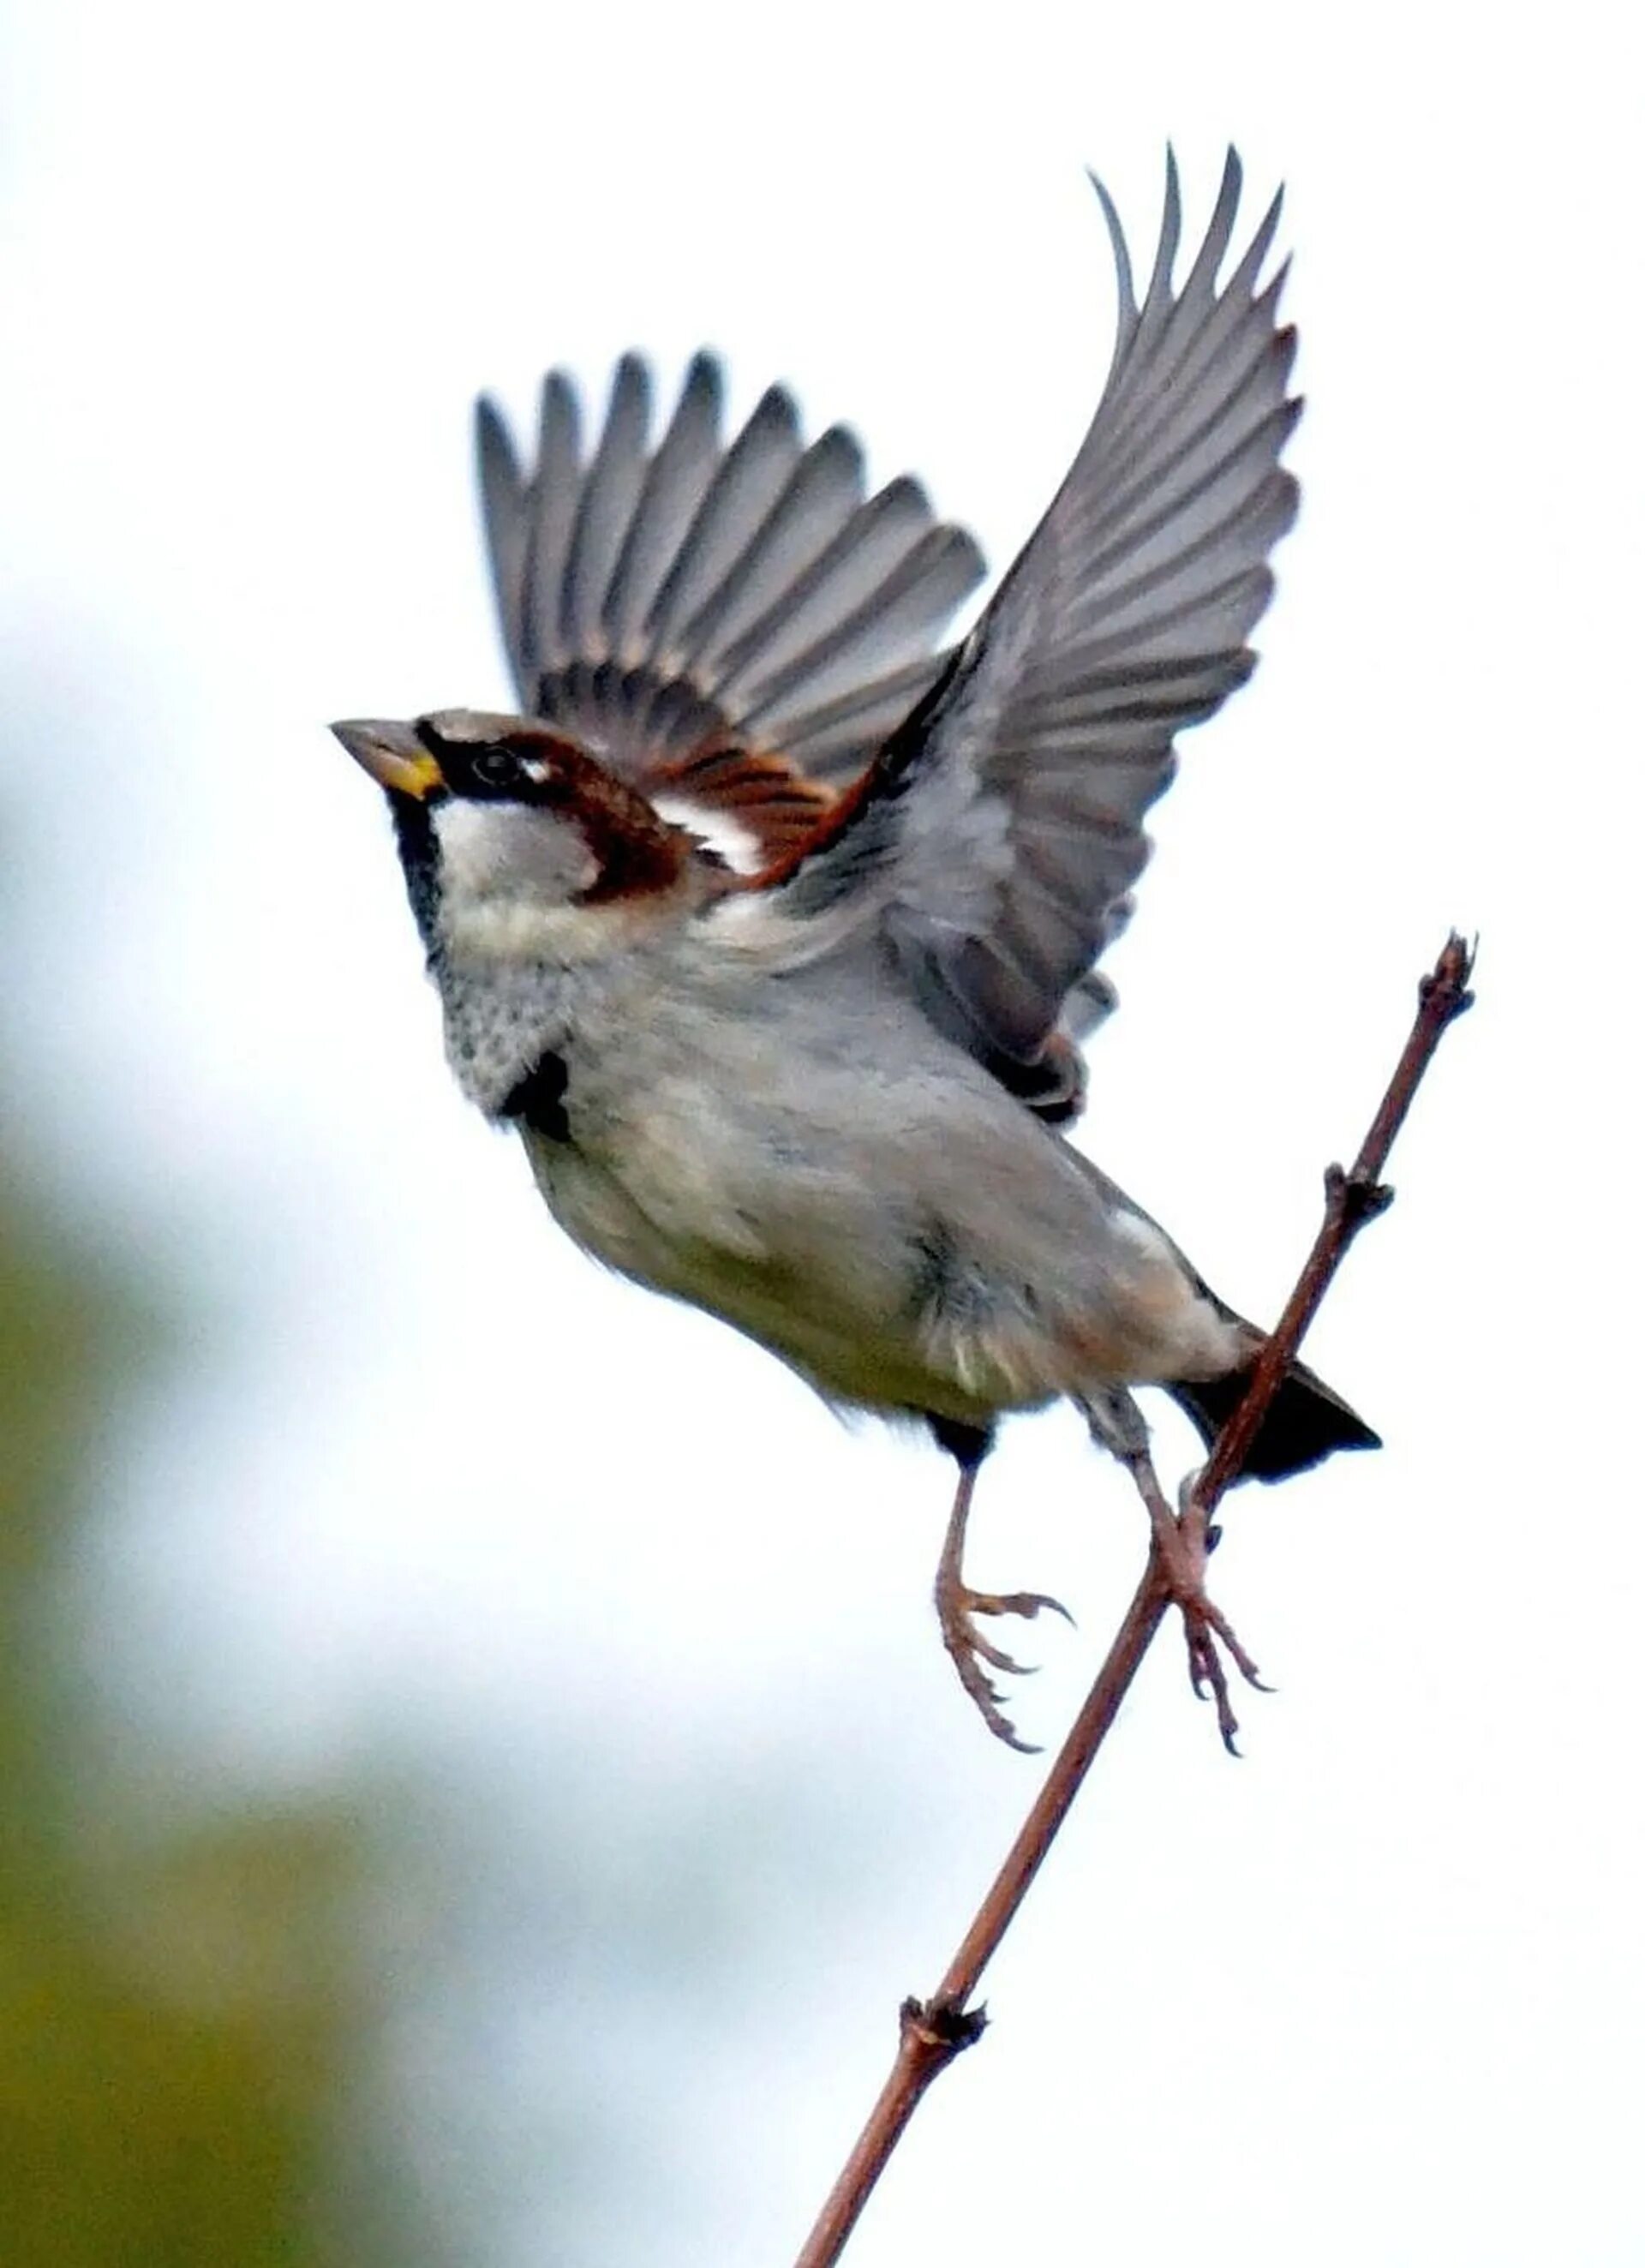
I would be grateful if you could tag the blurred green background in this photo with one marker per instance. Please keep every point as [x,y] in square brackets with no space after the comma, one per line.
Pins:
[184,1998]
[217,2043]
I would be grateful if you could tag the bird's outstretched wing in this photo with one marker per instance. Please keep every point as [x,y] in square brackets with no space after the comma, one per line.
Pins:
[998,833]
[734,627]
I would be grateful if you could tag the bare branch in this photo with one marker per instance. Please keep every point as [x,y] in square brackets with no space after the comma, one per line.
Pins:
[1351,1200]
[933,2032]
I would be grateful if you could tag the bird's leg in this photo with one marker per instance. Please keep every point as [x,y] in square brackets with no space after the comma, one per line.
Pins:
[957,1604]
[1184,1548]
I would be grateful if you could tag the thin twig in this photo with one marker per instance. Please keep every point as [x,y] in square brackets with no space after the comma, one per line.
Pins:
[933,2032]
[1351,1200]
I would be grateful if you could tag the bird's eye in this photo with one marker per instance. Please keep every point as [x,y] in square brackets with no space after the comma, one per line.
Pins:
[496,768]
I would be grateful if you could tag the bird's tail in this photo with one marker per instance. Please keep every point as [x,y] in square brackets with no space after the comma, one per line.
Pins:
[1305,1421]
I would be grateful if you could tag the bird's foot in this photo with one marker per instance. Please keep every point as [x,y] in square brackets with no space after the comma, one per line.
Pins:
[1182,1544]
[957,1606]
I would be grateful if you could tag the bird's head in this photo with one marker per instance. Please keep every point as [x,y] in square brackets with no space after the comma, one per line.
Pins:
[518,844]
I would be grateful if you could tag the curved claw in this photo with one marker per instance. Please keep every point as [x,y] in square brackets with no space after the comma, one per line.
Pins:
[987,1698]
[972,1642]
[1027,1604]
[957,1606]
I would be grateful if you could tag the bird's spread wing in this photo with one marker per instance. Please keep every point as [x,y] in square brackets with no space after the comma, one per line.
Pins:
[998,833]
[735,628]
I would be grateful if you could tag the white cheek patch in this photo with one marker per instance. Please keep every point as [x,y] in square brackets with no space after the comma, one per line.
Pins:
[467,849]
[487,849]
[509,880]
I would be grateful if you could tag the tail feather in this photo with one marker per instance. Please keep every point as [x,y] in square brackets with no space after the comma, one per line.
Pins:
[1305,1421]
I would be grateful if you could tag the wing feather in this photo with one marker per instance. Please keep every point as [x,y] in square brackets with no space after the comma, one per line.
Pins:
[658,602]
[998,836]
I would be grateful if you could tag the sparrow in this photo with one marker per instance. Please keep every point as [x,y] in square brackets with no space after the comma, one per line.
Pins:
[771,924]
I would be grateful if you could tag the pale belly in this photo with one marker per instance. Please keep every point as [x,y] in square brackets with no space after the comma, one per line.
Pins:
[964,1294]
[856,1338]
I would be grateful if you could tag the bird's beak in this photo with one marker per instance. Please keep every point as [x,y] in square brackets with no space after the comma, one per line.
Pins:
[393,754]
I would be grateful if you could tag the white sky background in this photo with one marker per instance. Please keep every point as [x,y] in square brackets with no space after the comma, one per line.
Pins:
[1373,1995]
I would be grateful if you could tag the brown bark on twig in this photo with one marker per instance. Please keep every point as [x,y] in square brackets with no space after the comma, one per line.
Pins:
[935,2031]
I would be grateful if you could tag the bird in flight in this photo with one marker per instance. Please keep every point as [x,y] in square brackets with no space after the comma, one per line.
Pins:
[774,926]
